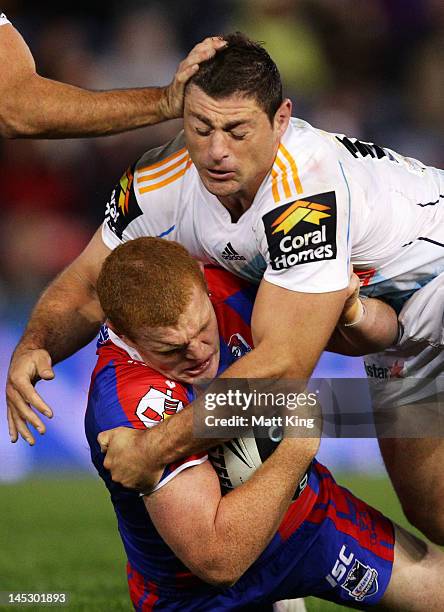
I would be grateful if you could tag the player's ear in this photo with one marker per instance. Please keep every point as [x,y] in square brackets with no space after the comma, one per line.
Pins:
[202,269]
[282,117]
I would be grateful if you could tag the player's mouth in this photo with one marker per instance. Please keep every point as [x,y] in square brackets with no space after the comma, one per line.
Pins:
[220,175]
[200,367]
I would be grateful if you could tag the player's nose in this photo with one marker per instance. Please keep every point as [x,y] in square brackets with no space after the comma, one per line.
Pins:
[218,148]
[198,351]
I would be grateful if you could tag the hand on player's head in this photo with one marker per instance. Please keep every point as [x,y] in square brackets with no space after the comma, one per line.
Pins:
[172,106]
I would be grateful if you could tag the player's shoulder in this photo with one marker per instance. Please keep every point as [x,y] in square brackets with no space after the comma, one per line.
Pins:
[307,141]
[116,368]
[153,183]
[128,369]
[306,161]
[160,170]
[309,148]
[162,155]
[123,385]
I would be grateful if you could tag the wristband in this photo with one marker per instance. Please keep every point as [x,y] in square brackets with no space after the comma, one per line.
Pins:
[360,317]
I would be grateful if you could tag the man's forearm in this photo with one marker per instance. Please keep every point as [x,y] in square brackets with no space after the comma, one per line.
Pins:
[175,436]
[66,317]
[33,106]
[67,111]
[249,516]
[231,531]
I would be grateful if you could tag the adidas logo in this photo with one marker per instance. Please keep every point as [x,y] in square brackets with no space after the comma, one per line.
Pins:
[230,254]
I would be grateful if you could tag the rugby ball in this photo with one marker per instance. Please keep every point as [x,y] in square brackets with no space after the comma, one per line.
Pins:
[236,461]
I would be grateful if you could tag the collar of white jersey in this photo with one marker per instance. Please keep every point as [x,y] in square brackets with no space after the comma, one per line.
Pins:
[123,345]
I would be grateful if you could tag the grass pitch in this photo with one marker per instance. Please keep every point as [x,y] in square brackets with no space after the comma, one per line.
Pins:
[60,535]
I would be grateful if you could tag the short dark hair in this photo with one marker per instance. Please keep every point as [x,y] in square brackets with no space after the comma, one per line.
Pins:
[244,67]
[147,282]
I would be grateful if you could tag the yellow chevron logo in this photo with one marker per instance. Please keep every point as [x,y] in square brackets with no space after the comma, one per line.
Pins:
[302,210]
[125,189]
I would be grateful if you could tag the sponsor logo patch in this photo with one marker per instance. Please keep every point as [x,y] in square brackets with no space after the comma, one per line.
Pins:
[384,373]
[156,406]
[122,207]
[302,231]
[361,581]
[238,346]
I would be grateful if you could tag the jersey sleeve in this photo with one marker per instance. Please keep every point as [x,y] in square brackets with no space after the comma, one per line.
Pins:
[129,394]
[144,201]
[121,209]
[305,238]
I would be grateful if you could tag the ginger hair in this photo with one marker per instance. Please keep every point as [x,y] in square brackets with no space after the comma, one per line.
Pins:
[147,282]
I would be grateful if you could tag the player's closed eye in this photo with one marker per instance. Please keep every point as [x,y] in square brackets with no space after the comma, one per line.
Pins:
[171,352]
[203,132]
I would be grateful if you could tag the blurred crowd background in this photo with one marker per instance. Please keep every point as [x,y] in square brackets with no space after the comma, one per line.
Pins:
[370,69]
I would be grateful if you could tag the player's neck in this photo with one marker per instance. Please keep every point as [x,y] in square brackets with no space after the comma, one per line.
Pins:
[240,202]
[236,206]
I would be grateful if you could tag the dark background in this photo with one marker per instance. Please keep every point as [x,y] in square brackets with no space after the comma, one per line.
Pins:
[369,69]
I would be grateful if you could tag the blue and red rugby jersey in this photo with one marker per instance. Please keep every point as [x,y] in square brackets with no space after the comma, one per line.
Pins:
[329,544]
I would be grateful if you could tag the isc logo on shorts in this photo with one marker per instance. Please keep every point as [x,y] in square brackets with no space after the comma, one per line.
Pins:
[302,231]
[359,580]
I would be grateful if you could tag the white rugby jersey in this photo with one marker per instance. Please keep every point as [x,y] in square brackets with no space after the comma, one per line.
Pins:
[327,200]
[3,19]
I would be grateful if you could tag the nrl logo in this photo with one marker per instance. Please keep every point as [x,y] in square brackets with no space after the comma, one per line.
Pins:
[238,346]
[361,581]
